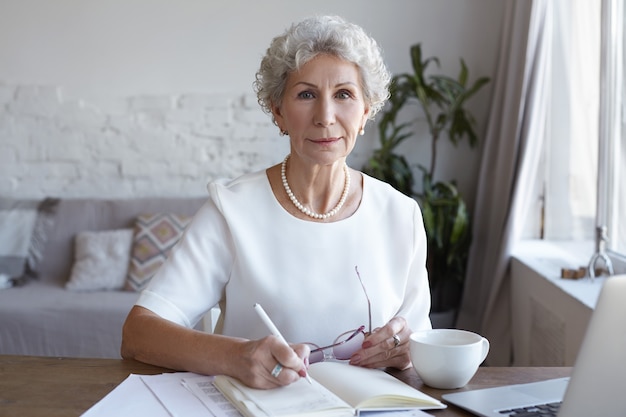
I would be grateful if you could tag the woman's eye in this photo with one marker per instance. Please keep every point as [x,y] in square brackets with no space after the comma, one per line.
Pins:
[344,94]
[305,95]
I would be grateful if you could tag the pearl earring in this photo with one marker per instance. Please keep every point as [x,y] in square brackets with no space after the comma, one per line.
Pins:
[362,131]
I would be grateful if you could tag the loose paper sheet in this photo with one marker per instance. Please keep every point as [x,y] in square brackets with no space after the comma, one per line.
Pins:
[174,397]
[130,398]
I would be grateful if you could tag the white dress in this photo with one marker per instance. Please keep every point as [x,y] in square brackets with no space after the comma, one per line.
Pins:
[243,248]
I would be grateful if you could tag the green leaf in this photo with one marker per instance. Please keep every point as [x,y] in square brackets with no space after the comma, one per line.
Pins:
[464,73]
[460,224]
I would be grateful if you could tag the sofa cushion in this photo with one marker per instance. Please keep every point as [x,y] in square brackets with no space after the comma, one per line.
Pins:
[43,319]
[155,236]
[102,260]
[80,214]
[24,228]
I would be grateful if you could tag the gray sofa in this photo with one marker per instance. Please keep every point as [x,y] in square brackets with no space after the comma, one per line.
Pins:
[42,317]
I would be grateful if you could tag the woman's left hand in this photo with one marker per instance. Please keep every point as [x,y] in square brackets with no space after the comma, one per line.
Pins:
[386,346]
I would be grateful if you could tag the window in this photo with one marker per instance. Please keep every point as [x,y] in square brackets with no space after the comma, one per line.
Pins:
[581,183]
[611,181]
[571,144]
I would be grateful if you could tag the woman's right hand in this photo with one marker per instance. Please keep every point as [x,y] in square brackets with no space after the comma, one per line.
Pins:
[148,338]
[259,358]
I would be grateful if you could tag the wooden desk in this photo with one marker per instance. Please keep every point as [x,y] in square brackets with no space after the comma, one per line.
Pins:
[65,387]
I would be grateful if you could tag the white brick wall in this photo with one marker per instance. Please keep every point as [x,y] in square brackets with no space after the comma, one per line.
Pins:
[51,145]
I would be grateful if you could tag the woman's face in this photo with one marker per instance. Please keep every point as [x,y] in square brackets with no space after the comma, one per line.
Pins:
[323,109]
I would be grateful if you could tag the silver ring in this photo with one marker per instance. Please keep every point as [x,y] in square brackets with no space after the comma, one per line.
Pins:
[396,340]
[277,370]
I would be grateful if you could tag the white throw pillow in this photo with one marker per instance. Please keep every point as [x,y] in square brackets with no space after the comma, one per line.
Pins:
[101,260]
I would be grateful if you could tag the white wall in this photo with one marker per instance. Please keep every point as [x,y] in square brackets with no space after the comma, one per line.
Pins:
[154,97]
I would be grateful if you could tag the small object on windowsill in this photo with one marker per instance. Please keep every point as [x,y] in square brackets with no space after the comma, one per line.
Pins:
[542,213]
[600,254]
[581,272]
[5,282]
[570,273]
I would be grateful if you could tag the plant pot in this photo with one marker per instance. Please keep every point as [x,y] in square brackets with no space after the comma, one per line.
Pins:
[446,296]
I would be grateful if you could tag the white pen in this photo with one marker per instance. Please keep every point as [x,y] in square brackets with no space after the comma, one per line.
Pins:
[274,330]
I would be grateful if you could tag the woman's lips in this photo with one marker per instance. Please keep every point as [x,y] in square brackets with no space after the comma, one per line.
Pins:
[325,140]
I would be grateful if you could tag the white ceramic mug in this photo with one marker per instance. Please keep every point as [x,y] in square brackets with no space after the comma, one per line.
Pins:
[447,358]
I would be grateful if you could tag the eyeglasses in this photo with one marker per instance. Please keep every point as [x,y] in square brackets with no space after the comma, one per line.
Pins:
[346,343]
[342,348]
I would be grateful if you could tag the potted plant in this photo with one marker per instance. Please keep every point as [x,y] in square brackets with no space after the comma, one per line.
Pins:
[446,219]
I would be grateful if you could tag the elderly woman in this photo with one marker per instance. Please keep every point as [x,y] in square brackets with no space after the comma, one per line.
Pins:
[327,251]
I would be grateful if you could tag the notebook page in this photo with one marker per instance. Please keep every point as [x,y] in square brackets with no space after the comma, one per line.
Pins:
[369,388]
[299,398]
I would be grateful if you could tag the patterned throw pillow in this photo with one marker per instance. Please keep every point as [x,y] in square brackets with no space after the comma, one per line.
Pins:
[155,235]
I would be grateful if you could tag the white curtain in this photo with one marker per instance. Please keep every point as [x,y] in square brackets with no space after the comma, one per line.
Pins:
[510,157]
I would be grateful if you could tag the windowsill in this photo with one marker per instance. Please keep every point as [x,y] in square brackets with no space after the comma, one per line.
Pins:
[548,257]
[549,314]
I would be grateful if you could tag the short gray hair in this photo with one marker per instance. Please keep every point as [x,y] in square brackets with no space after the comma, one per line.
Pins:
[322,35]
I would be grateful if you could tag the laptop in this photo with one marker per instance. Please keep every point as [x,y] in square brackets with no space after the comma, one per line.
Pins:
[597,385]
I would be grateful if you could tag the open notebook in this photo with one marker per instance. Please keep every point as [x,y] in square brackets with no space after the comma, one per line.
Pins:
[596,386]
[337,389]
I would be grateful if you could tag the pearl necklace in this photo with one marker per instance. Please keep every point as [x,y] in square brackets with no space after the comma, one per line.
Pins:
[305,210]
